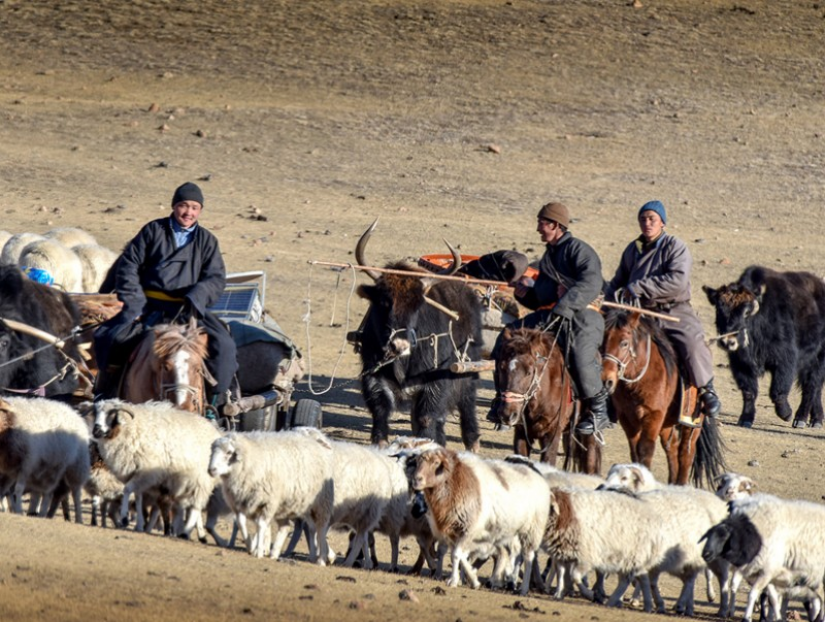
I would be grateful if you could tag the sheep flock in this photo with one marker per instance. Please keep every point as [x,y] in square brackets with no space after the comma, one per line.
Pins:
[506,524]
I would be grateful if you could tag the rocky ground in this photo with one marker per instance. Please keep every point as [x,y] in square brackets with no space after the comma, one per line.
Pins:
[304,121]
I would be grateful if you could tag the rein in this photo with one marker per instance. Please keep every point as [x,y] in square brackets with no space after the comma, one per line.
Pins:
[622,364]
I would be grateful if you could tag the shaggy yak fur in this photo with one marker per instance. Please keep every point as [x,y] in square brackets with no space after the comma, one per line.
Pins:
[49,310]
[407,347]
[771,321]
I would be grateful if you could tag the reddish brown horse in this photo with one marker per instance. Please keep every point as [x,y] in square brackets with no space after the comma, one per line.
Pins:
[536,399]
[168,365]
[639,368]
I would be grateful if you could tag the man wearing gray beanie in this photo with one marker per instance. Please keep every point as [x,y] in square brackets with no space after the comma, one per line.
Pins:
[569,281]
[654,273]
[172,270]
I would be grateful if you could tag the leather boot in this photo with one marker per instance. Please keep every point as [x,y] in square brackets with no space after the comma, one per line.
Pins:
[107,382]
[710,401]
[594,419]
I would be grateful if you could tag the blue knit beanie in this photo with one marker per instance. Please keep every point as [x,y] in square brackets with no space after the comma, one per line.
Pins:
[654,206]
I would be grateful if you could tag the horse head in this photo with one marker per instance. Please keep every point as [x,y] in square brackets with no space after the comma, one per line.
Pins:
[528,358]
[625,350]
[168,365]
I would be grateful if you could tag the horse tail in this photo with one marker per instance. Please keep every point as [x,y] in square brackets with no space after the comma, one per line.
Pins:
[709,461]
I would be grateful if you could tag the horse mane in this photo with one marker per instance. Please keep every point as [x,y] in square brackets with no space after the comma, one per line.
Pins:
[172,338]
[618,318]
[525,339]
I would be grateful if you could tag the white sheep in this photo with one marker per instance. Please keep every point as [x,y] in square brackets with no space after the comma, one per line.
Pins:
[44,444]
[4,237]
[687,513]
[154,446]
[607,531]
[95,261]
[276,476]
[59,261]
[15,245]
[732,486]
[475,504]
[774,543]
[104,488]
[70,236]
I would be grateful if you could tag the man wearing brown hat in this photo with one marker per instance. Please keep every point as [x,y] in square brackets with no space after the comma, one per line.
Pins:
[569,280]
[171,271]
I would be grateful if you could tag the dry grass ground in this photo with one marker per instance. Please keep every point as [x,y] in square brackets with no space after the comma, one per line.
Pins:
[304,121]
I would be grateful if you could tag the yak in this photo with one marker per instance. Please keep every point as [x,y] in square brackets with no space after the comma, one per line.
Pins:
[47,371]
[408,339]
[771,321]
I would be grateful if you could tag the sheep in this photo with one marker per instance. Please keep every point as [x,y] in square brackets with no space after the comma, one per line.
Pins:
[15,245]
[96,261]
[686,514]
[60,262]
[734,486]
[608,531]
[70,236]
[43,445]
[276,476]
[774,543]
[477,504]
[103,487]
[4,237]
[154,446]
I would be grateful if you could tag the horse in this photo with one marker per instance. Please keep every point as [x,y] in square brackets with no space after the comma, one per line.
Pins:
[639,369]
[537,399]
[167,364]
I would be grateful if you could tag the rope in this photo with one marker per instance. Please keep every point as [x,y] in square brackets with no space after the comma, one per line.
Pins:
[306,319]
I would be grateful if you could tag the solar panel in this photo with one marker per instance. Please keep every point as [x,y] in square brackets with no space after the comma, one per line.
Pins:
[239,301]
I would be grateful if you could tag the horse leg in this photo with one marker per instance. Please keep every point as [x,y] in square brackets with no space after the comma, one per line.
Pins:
[687,453]
[520,444]
[671,445]
[646,445]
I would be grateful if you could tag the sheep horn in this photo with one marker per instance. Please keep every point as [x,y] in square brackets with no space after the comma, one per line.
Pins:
[359,251]
[120,409]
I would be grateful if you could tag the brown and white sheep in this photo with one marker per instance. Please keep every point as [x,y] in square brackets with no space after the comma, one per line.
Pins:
[475,504]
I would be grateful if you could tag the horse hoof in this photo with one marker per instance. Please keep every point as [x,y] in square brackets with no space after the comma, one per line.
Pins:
[817,425]
[799,423]
[745,424]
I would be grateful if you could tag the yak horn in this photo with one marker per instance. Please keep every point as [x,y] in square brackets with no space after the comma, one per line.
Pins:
[34,332]
[456,261]
[359,251]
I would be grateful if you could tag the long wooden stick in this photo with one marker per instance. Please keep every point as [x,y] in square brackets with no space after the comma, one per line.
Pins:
[421,275]
[631,308]
[499,284]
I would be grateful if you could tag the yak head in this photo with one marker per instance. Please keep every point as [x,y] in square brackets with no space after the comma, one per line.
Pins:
[735,304]
[396,301]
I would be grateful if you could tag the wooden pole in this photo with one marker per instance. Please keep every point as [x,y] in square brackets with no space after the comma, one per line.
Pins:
[420,275]
[632,309]
[500,284]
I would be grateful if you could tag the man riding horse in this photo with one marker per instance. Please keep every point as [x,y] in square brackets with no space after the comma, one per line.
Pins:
[170,272]
[654,273]
[569,281]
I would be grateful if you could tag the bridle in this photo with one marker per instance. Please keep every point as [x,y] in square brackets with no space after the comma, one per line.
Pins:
[622,364]
[509,397]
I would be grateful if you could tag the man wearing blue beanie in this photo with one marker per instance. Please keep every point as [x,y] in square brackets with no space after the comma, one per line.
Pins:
[654,272]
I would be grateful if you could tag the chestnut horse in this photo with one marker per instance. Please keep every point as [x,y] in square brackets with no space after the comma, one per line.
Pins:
[537,399]
[168,365]
[639,368]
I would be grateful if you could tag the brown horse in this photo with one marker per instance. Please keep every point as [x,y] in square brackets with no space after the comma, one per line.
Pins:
[168,365]
[639,368]
[537,399]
